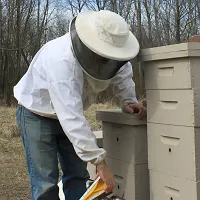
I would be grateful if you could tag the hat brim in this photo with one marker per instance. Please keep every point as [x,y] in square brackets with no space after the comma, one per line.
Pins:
[87,32]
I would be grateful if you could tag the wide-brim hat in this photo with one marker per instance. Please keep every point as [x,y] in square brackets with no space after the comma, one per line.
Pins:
[107,34]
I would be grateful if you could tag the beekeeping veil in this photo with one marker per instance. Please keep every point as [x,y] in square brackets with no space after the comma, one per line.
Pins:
[102,43]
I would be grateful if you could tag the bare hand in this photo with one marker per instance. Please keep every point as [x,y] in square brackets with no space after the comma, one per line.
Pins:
[135,108]
[106,175]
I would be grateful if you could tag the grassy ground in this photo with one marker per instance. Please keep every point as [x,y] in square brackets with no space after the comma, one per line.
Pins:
[14,181]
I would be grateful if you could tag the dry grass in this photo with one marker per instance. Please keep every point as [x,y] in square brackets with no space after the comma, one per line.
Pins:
[14,181]
[8,126]
[91,112]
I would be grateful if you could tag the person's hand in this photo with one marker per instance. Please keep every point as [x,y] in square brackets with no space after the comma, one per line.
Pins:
[135,108]
[106,175]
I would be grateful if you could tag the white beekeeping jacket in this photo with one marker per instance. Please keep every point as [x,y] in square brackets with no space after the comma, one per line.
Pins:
[55,86]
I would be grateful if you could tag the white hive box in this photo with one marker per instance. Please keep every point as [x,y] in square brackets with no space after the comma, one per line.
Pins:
[90,167]
[61,193]
[99,137]
[178,73]
[174,150]
[91,170]
[175,107]
[163,187]
[172,67]
[118,117]
[131,181]
[173,96]
[125,141]
[172,83]
[124,136]
[183,50]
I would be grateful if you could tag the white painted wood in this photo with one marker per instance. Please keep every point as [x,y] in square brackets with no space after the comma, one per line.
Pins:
[98,134]
[174,107]
[170,51]
[174,150]
[61,194]
[92,171]
[119,117]
[172,74]
[99,137]
[131,182]
[90,167]
[164,187]
[125,143]
[168,74]
[171,48]
[173,94]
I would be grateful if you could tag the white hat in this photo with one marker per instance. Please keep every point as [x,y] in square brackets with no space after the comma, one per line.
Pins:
[107,34]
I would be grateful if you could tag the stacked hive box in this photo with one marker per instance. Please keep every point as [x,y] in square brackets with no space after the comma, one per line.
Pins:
[173,109]
[125,140]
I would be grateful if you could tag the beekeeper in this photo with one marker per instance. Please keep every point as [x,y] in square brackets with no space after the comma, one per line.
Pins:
[61,82]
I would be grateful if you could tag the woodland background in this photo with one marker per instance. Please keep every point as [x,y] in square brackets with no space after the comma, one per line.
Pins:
[25,25]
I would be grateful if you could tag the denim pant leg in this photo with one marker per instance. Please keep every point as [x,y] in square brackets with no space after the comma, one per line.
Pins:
[39,139]
[75,174]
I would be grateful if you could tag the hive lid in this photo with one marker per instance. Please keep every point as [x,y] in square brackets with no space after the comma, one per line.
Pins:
[119,117]
[190,49]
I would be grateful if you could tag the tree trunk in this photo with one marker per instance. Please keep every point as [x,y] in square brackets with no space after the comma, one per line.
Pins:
[157,27]
[139,21]
[177,22]
[18,3]
[149,22]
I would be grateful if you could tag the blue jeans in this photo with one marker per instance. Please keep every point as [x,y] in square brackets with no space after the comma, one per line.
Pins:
[45,142]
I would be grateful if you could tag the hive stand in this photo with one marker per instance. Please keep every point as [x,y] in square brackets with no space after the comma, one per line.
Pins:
[172,83]
[125,141]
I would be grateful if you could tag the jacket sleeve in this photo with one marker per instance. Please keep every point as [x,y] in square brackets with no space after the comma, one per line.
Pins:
[65,89]
[124,86]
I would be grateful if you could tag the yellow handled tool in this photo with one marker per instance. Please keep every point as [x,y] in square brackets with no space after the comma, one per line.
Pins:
[95,190]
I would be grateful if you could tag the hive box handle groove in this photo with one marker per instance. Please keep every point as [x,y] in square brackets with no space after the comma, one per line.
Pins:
[172,191]
[119,179]
[170,140]
[166,71]
[169,104]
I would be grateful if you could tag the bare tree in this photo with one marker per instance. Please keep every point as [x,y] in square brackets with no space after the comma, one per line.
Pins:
[139,20]
[25,25]
[97,4]
[177,21]
[147,6]
[76,5]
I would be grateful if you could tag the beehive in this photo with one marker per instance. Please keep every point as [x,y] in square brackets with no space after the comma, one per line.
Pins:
[173,93]
[125,141]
